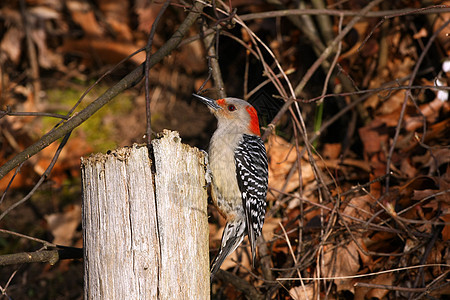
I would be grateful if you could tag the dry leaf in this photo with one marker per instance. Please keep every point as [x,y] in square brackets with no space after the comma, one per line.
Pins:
[282,156]
[83,14]
[341,262]
[302,293]
[63,225]
[331,151]
[270,224]
[370,293]
[119,22]
[429,110]
[11,44]
[359,207]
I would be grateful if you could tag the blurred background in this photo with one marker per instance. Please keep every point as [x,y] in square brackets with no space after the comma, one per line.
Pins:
[340,224]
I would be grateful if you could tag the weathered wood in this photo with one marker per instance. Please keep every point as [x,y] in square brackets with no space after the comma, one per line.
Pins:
[136,245]
[182,218]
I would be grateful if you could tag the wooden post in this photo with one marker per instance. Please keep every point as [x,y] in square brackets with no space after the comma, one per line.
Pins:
[146,234]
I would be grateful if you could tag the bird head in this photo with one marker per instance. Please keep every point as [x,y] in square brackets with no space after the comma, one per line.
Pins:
[236,114]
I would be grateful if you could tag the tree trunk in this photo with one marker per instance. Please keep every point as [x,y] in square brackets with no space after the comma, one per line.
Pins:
[145,231]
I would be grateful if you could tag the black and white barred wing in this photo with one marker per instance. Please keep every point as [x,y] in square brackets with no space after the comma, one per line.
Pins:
[252,178]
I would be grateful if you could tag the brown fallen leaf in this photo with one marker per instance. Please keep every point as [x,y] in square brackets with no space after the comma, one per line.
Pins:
[429,110]
[359,207]
[302,293]
[282,156]
[114,16]
[83,14]
[374,293]
[63,225]
[10,45]
[341,262]
[331,151]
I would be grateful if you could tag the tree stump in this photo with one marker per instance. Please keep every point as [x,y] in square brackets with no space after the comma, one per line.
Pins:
[145,224]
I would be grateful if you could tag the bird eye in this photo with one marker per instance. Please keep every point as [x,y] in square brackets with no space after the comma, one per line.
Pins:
[231,107]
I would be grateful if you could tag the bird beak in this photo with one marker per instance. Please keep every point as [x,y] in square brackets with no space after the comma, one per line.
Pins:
[208,101]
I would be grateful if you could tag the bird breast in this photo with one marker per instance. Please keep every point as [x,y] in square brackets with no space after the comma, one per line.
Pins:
[226,194]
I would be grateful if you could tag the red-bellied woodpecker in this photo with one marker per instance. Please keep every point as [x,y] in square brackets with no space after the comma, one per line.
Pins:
[238,163]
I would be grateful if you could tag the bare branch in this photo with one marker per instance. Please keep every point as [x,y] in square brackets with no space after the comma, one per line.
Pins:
[128,81]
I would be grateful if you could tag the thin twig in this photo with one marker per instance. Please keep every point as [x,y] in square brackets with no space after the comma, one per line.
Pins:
[31,114]
[435,9]
[3,289]
[293,256]
[45,243]
[369,274]
[211,45]
[389,287]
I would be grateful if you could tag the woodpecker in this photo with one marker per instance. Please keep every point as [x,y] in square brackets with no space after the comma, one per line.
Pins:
[239,169]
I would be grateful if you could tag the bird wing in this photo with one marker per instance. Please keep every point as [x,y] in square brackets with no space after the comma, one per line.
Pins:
[252,177]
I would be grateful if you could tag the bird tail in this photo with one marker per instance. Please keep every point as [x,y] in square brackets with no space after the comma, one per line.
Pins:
[232,237]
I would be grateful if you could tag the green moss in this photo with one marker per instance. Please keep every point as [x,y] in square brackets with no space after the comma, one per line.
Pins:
[97,132]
